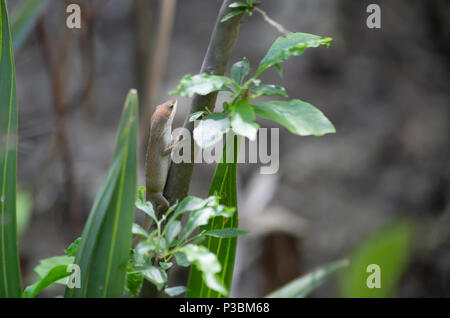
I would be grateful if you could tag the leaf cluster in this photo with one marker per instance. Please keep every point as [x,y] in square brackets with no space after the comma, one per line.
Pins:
[170,242]
[239,114]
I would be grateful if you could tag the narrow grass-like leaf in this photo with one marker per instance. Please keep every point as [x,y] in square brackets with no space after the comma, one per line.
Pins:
[385,251]
[10,283]
[24,19]
[104,249]
[225,233]
[224,185]
[304,285]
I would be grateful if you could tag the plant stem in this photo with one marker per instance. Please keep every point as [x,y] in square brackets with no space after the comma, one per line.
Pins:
[215,62]
[273,23]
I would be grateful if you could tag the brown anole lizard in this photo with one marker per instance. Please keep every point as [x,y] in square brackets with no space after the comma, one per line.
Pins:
[159,148]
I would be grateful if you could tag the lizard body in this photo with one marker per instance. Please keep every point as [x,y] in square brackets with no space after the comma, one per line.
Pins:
[159,148]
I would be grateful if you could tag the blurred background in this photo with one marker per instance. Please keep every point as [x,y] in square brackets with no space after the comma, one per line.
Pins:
[377,191]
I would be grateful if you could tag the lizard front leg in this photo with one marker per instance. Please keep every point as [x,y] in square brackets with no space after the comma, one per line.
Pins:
[167,151]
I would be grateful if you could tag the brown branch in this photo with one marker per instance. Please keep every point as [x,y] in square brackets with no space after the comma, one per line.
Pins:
[215,62]
[272,22]
[219,50]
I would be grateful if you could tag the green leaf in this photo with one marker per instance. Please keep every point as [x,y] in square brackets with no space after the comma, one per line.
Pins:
[267,90]
[243,120]
[223,185]
[175,291]
[226,233]
[298,117]
[173,230]
[211,129]
[156,276]
[207,263]
[134,281]
[240,70]
[182,259]
[238,5]
[46,265]
[104,250]
[145,206]
[202,84]
[138,230]
[189,203]
[24,20]
[73,247]
[24,208]
[201,217]
[292,45]
[53,275]
[51,270]
[165,266]
[304,285]
[389,248]
[232,14]
[195,116]
[10,282]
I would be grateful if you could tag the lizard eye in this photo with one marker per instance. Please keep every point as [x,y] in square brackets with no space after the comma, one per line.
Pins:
[171,107]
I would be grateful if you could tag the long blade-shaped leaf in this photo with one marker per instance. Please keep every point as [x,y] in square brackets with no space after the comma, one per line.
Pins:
[382,257]
[104,250]
[304,285]
[23,21]
[224,185]
[10,284]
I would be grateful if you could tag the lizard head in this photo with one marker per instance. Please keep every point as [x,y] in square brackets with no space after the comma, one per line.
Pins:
[167,111]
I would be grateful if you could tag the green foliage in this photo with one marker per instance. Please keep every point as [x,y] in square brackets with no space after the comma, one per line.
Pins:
[24,207]
[104,249]
[389,248]
[294,44]
[303,286]
[73,247]
[223,184]
[169,241]
[225,233]
[24,20]
[56,273]
[175,291]
[202,84]
[238,115]
[240,70]
[243,120]
[50,270]
[10,282]
[299,117]
[211,129]
[239,8]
